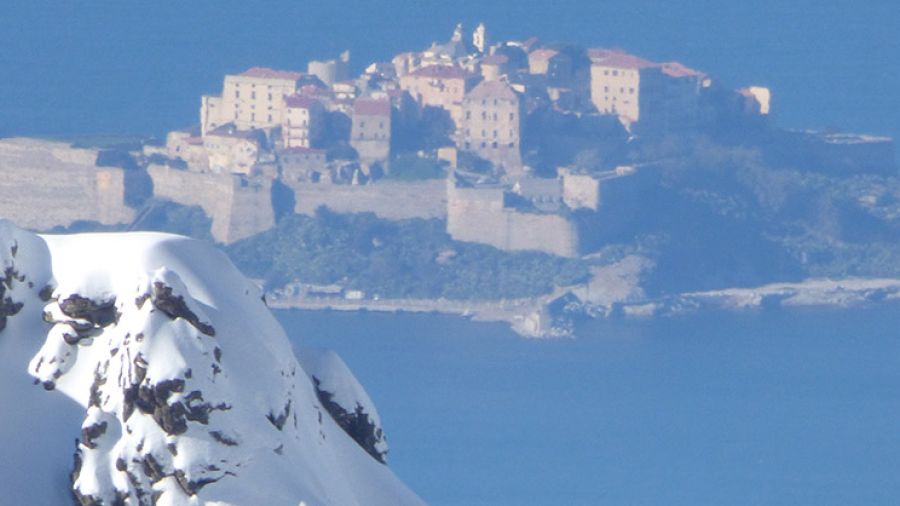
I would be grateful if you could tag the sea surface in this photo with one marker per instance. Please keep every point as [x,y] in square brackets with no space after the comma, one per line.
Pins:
[751,408]
[131,67]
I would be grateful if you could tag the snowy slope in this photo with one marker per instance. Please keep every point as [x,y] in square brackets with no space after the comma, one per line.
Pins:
[187,389]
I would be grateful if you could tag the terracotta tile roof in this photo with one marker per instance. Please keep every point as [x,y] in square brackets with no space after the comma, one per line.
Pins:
[267,73]
[542,54]
[492,89]
[495,59]
[440,72]
[618,58]
[300,101]
[676,69]
[370,107]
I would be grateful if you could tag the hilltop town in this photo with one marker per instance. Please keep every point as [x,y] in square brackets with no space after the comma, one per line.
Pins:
[519,145]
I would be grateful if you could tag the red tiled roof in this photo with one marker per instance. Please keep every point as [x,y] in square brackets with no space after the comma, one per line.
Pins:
[267,73]
[621,59]
[300,101]
[492,89]
[370,107]
[542,54]
[676,69]
[494,59]
[618,58]
[440,72]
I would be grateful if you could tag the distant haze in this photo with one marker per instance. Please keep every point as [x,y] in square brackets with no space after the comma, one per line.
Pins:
[128,67]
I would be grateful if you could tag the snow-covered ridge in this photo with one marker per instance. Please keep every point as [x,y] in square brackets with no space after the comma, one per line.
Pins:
[188,389]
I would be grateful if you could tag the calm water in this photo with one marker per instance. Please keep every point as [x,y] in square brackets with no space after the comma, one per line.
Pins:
[722,408]
[125,66]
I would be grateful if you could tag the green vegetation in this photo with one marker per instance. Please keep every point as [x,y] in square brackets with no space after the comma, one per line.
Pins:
[409,167]
[409,258]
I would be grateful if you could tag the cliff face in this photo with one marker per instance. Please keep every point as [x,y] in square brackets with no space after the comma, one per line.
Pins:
[187,390]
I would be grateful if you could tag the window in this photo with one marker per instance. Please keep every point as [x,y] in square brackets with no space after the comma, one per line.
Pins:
[495,134]
[495,116]
[270,118]
[252,95]
[381,124]
[252,116]
[631,90]
[483,134]
[606,89]
[615,72]
[606,72]
[483,115]
[362,124]
[270,97]
[512,116]
[468,114]
[237,93]
[494,145]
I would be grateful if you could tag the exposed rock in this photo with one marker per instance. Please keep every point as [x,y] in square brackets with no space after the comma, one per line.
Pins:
[279,420]
[92,432]
[175,307]
[356,424]
[98,313]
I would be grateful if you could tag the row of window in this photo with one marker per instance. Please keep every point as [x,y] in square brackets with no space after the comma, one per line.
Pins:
[495,133]
[621,90]
[485,115]
[494,144]
[270,96]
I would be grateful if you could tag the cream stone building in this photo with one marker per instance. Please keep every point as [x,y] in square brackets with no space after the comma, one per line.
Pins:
[490,125]
[251,100]
[232,151]
[494,66]
[370,133]
[638,90]
[303,122]
[439,86]
[757,100]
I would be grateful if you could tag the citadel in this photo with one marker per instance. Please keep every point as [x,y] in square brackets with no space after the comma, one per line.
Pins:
[482,134]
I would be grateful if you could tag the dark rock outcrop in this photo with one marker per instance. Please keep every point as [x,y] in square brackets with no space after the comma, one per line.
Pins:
[356,423]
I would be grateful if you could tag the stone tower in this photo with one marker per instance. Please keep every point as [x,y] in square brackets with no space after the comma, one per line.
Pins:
[479,38]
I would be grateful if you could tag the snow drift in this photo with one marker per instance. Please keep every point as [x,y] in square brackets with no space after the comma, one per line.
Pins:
[185,388]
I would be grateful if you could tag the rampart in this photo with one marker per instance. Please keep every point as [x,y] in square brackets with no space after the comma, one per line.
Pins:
[45,184]
[392,200]
[239,207]
[480,215]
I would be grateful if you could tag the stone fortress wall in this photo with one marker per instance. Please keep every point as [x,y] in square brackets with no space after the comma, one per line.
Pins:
[45,184]
[481,215]
[390,200]
[238,207]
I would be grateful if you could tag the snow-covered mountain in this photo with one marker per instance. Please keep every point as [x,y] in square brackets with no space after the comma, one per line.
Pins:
[176,383]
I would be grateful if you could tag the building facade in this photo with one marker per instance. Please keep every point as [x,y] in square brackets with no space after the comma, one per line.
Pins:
[303,122]
[439,86]
[637,90]
[370,131]
[490,125]
[251,100]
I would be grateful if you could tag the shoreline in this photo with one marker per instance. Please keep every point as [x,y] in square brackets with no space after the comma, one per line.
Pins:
[537,318]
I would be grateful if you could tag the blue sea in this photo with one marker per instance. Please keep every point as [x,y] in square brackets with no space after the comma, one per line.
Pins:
[753,408]
[130,67]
